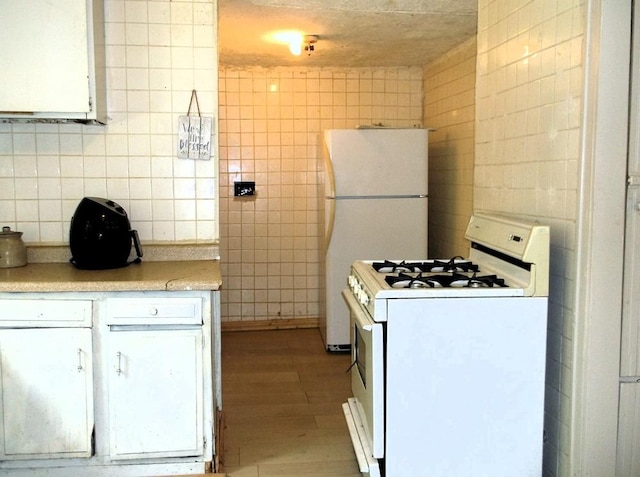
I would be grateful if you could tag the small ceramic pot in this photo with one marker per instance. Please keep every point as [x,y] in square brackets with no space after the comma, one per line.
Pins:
[13,251]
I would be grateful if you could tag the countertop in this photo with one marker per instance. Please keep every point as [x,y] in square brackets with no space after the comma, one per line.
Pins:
[177,275]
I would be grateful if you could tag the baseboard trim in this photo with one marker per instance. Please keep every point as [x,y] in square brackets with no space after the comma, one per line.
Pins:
[262,325]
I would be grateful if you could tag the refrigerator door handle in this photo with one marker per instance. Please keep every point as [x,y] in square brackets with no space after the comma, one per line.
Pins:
[331,216]
[395,196]
[331,194]
[330,174]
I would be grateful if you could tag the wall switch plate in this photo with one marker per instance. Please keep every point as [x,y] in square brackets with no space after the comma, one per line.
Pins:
[244,189]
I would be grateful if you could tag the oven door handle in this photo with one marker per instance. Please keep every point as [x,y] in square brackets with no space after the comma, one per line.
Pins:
[361,318]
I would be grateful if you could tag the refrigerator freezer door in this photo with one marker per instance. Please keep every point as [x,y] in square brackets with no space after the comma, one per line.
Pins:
[368,229]
[378,162]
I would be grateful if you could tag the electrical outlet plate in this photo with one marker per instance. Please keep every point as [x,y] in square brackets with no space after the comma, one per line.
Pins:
[244,188]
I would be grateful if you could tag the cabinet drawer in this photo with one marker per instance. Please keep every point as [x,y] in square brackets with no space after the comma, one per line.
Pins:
[154,311]
[45,313]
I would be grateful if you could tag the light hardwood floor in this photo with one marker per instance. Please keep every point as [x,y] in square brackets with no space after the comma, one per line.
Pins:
[282,396]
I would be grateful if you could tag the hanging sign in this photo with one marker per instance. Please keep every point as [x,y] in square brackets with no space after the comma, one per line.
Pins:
[194,134]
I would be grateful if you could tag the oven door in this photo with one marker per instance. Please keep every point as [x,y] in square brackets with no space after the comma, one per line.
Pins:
[367,382]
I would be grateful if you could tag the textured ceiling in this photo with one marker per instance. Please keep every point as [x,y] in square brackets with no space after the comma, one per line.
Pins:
[356,33]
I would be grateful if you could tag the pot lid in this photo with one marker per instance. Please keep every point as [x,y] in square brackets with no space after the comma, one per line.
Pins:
[7,232]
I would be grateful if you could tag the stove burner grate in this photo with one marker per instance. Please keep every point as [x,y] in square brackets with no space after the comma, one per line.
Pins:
[455,264]
[388,266]
[453,280]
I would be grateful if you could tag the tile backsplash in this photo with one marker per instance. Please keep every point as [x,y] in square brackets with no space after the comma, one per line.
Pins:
[157,52]
[270,120]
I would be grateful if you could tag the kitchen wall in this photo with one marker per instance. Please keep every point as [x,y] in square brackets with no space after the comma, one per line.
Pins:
[449,107]
[270,120]
[156,53]
[528,106]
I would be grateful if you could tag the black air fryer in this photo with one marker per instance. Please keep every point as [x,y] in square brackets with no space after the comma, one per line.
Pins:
[101,235]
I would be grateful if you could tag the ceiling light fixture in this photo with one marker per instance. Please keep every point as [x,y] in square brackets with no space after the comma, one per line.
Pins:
[309,43]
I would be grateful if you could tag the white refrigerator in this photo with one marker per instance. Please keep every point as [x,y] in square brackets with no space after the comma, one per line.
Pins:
[375,188]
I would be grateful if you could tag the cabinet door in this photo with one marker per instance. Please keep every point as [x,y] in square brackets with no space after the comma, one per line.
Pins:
[46,393]
[156,393]
[44,60]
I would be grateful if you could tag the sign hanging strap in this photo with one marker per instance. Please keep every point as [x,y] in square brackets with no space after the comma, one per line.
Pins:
[194,95]
[194,133]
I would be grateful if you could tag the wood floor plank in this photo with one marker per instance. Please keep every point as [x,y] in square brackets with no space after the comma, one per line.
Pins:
[242,471]
[292,435]
[262,377]
[288,451]
[345,468]
[281,410]
[275,397]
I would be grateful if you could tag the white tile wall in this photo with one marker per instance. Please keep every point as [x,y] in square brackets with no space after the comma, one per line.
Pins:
[157,51]
[270,120]
[449,84]
[528,106]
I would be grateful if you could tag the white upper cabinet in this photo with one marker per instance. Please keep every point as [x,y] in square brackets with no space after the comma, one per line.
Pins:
[51,52]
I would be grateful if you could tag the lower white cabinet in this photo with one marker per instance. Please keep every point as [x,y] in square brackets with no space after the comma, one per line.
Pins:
[155,373]
[46,394]
[109,384]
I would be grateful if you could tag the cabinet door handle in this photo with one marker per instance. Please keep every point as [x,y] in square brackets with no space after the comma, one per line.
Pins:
[119,369]
[79,359]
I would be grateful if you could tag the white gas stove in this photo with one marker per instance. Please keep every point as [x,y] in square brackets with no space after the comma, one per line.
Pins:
[449,356]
